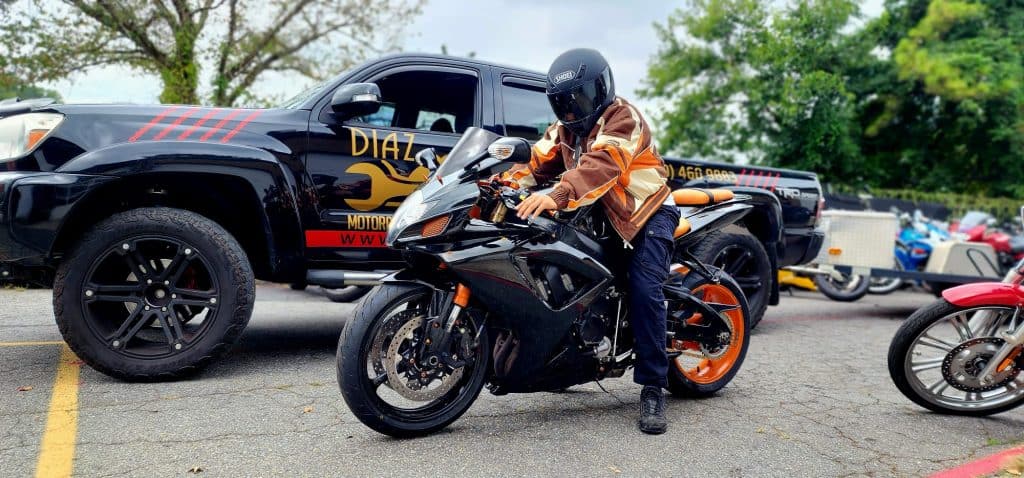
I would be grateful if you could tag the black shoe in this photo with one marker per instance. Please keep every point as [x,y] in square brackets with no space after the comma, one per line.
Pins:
[652,411]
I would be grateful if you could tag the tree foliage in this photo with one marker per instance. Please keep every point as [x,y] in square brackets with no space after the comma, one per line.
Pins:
[927,95]
[225,45]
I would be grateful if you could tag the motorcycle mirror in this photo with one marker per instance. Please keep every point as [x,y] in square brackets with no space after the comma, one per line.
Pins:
[510,150]
[427,158]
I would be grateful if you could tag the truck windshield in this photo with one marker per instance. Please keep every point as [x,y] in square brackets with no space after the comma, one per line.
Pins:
[296,101]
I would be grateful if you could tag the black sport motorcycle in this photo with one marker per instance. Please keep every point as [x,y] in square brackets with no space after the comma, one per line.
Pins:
[522,306]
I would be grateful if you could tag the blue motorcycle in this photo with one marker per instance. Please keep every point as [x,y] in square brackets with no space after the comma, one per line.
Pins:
[913,248]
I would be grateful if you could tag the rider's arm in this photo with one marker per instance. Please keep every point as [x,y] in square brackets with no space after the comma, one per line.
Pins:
[545,162]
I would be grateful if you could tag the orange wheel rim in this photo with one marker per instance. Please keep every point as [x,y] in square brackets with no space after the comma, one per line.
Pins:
[710,370]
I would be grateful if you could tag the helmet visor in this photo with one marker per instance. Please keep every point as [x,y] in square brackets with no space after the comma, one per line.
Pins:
[580,102]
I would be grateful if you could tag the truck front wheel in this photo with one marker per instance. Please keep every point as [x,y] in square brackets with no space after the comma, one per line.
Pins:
[153,294]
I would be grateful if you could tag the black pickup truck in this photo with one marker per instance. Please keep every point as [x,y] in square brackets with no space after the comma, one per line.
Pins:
[152,221]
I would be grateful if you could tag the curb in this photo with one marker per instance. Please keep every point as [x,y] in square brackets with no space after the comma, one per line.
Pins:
[981,467]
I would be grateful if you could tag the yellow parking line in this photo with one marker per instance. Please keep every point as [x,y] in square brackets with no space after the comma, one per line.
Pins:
[57,452]
[27,344]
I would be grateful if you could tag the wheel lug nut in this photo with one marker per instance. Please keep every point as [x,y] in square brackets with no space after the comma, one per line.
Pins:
[167,282]
[117,343]
[188,251]
[147,307]
[213,300]
[88,293]
[174,296]
[177,346]
[149,281]
[164,309]
[125,246]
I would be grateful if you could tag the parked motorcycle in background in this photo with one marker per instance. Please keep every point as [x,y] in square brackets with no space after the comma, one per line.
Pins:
[918,237]
[962,354]
[979,226]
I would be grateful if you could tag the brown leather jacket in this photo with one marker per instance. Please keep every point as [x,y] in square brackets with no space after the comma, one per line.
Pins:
[618,164]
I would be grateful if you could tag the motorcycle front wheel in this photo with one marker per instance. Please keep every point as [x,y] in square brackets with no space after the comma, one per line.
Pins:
[384,379]
[697,372]
[938,354]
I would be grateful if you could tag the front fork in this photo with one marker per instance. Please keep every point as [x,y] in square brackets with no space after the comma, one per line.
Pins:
[1009,352]
[439,329]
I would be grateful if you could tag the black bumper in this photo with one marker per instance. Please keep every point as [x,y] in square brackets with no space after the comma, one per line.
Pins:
[33,208]
[801,246]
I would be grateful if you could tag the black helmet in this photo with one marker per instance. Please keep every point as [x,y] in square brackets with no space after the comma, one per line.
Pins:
[580,87]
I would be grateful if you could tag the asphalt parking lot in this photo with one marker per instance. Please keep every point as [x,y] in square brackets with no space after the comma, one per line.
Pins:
[813,399]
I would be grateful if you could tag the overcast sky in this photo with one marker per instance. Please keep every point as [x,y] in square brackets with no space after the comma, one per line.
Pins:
[524,33]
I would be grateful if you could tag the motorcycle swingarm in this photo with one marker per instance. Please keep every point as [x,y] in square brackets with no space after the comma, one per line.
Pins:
[687,305]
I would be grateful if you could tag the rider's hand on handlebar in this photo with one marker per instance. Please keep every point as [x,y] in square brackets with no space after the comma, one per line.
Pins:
[534,205]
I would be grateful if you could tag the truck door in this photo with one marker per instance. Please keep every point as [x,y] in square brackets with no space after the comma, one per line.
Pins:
[525,111]
[363,168]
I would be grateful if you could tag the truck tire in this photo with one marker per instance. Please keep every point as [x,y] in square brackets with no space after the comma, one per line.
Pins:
[153,294]
[743,257]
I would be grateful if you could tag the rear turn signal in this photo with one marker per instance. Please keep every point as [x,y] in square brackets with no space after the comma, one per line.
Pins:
[435,226]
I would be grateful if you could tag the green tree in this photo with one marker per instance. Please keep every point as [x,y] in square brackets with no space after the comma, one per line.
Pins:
[230,43]
[947,112]
[740,79]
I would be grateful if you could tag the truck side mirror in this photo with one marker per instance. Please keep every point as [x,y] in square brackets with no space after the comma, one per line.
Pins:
[356,99]
[427,158]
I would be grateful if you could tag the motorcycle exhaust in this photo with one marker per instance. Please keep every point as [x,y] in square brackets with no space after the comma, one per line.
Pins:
[336,279]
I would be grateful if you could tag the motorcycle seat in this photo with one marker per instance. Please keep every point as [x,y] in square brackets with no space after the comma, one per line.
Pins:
[682,228]
[700,197]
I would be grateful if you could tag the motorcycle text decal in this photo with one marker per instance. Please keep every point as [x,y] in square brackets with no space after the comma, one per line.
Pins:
[362,222]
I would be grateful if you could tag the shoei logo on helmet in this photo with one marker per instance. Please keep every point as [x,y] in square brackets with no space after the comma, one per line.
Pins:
[563,76]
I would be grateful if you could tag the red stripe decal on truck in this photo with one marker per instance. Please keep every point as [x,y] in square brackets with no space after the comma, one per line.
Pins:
[219,124]
[345,238]
[176,122]
[241,125]
[141,131]
[196,126]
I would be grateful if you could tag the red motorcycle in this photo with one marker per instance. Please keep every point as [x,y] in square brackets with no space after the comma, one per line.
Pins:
[962,354]
[976,225]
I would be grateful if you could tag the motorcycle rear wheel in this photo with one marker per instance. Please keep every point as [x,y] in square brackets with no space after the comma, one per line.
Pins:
[710,374]
[361,384]
[945,333]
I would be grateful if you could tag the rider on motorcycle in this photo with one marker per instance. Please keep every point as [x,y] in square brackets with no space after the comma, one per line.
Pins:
[603,149]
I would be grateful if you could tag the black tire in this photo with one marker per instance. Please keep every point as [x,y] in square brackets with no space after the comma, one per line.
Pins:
[682,386]
[346,294]
[842,291]
[886,285]
[743,257]
[298,285]
[353,348]
[85,316]
[902,344]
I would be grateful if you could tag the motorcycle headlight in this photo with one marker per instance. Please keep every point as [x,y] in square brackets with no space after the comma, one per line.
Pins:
[409,212]
[20,134]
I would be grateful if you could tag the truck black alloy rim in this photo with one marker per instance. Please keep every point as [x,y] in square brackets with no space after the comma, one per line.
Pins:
[739,263]
[150,296]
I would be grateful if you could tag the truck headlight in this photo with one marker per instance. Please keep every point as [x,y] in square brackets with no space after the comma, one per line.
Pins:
[20,134]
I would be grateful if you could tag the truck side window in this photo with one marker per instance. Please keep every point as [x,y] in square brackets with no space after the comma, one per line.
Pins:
[440,102]
[527,111]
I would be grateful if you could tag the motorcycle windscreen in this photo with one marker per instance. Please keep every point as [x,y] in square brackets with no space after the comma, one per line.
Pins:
[472,144]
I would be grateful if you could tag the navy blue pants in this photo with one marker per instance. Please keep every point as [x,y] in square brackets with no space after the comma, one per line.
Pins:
[648,269]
